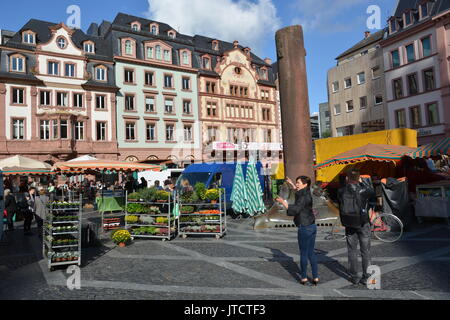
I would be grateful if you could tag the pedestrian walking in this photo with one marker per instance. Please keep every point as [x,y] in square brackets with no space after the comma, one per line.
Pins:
[304,219]
[25,206]
[11,208]
[41,202]
[354,200]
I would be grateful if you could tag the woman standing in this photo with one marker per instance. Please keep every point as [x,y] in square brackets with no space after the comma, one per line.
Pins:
[41,210]
[305,220]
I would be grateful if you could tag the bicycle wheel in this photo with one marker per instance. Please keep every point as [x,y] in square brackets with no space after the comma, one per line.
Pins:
[387,228]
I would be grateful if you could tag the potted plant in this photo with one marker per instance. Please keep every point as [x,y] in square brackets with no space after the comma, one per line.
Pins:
[148,194]
[121,237]
[134,197]
[131,219]
[162,196]
[187,209]
[213,195]
[200,190]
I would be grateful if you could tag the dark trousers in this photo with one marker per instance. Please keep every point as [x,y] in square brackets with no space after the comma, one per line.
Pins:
[361,236]
[40,223]
[10,221]
[307,242]
[28,219]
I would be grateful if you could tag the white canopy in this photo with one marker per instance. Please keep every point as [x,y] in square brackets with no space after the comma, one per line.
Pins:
[83,158]
[23,163]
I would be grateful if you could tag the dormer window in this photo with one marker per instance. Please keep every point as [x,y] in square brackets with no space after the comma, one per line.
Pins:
[263,73]
[29,37]
[206,63]
[215,45]
[393,25]
[135,26]
[171,34]
[424,10]
[17,63]
[61,42]
[407,18]
[89,47]
[158,52]
[101,73]
[154,29]
[186,58]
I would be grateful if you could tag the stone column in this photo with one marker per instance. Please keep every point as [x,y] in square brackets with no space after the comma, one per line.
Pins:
[295,113]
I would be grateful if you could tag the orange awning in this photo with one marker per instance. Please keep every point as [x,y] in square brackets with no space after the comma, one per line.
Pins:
[369,152]
[105,165]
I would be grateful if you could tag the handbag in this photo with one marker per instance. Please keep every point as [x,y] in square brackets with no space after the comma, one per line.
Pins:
[5,214]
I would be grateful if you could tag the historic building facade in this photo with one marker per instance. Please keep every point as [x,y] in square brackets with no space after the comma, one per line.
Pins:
[237,94]
[57,94]
[417,72]
[157,106]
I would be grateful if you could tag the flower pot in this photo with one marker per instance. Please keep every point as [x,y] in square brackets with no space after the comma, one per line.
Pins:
[122,245]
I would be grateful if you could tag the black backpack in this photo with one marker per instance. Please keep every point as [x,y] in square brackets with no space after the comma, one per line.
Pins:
[353,212]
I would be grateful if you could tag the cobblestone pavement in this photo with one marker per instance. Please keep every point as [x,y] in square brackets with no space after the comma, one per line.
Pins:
[244,265]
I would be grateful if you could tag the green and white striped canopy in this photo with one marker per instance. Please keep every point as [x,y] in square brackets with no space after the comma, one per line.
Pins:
[239,194]
[255,203]
[438,148]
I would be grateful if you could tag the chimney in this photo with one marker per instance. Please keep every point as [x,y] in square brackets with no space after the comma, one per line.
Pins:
[235,44]
[247,51]
[268,61]
[366,34]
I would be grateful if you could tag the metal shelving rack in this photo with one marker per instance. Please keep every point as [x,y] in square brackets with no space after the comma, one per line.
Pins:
[183,226]
[65,252]
[166,212]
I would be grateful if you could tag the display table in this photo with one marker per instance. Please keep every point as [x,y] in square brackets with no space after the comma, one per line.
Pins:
[433,200]
[110,204]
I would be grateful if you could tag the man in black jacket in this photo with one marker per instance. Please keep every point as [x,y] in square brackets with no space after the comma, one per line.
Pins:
[353,208]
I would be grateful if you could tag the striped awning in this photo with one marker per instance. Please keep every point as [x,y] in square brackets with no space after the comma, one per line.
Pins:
[105,165]
[26,172]
[438,148]
[369,152]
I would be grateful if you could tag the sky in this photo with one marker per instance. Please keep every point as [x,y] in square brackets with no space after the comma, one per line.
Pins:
[330,26]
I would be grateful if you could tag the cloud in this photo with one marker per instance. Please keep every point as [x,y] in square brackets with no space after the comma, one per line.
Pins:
[328,16]
[251,22]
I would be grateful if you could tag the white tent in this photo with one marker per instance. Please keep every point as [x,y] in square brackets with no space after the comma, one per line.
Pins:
[83,158]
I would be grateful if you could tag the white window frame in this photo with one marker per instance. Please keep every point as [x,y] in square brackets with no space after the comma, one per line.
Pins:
[334,85]
[345,83]
[103,132]
[15,60]
[44,127]
[19,129]
[79,131]
[359,79]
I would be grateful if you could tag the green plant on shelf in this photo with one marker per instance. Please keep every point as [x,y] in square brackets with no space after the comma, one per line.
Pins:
[148,194]
[200,190]
[162,195]
[136,196]
[162,220]
[187,209]
[154,210]
[131,219]
[212,194]
[136,208]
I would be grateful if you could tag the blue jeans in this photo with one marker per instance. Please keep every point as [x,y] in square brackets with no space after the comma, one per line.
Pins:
[307,242]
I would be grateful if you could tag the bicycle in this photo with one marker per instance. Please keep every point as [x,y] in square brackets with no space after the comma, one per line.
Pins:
[386,227]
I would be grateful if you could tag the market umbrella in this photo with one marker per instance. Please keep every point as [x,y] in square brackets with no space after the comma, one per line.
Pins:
[255,203]
[105,165]
[83,158]
[239,194]
[19,165]
[369,152]
[438,148]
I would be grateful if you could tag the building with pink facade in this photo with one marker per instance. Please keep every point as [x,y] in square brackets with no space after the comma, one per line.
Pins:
[57,94]
[416,66]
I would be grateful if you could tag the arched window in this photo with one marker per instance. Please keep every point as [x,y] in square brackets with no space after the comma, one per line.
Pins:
[167,55]
[154,30]
[135,27]
[158,52]
[128,47]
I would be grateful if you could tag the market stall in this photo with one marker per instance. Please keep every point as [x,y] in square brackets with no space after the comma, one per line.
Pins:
[105,202]
[433,200]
